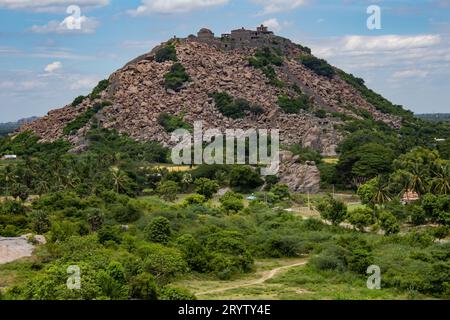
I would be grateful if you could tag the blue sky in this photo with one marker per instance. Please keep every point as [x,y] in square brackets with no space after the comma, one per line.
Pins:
[44,64]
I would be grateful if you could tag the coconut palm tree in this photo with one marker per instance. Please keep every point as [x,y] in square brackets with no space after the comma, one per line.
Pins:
[440,184]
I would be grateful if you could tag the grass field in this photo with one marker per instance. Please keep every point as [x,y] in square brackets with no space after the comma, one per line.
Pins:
[292,283]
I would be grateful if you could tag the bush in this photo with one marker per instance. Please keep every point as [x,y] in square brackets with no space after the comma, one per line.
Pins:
[361,218]
[166,53]
[176,294]
[319,66]
[290,105]
[232,202]
[230,107]
[102,86]
[40,222]
[244,178]
[171,123]
[158,230]
[168,190]
[194,200]
[206,187]
[176,77]
[143,287]
[332,210]
[389,223]
[78,100]
[83,119]
[126,213]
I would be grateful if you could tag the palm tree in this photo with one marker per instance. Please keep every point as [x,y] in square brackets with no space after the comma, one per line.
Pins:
[440,184]
[416,180]
[381,194]
[9,177]
[120,179]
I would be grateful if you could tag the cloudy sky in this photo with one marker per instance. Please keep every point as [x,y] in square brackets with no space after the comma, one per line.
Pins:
[46,60]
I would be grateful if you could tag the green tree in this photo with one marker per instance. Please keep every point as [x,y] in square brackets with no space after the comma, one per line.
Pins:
[389,223]
[206,187]
[168,190]
[244,178]
[332,210]
[361,218]
[232,202]
[143,287]
[40,222]
[158,230]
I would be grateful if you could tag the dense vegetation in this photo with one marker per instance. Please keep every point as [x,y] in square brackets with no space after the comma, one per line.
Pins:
[265,59]
[171,123]
[101,86]
[294,105]
[176,77]
[319,66]
[234,108]
[374,98]
[166,53]
[83,119]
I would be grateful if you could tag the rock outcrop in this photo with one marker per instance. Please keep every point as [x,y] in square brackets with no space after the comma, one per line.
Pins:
[303,178]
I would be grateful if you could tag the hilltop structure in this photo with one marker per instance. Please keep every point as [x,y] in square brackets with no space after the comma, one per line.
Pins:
[241,38]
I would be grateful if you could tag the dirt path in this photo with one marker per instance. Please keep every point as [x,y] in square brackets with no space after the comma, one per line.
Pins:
[265,276]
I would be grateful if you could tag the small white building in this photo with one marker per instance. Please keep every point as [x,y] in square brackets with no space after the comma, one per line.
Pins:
[9,157]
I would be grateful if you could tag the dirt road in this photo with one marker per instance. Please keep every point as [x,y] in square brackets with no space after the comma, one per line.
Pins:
[265,276]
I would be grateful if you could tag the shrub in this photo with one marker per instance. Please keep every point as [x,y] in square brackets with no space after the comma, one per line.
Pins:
[319,66]
[176,294]
[78,100]
[389,223]
[232,202]
[244,178]
[83,119]
[230,107]
[126,213]
[206,187]
[109,234]
[361,218]
[158,230]
[166,53]
[281,191]
[171,123]
[332,210]
[194,199]
[102,86]
[176,77]
[40,222]
[168,190]
[290,105]
[143,287]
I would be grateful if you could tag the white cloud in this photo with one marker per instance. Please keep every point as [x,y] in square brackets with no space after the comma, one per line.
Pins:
[83,83]
[174,6]
[389,42]
[411,73]
[273,24]
[50,5]
[88,25]
[52,67]
[274,6]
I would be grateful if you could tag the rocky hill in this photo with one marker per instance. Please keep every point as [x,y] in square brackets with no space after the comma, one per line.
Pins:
[291,90]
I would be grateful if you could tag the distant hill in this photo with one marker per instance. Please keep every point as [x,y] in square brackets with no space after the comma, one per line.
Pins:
[435,117]
[248,79]
[8,127]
